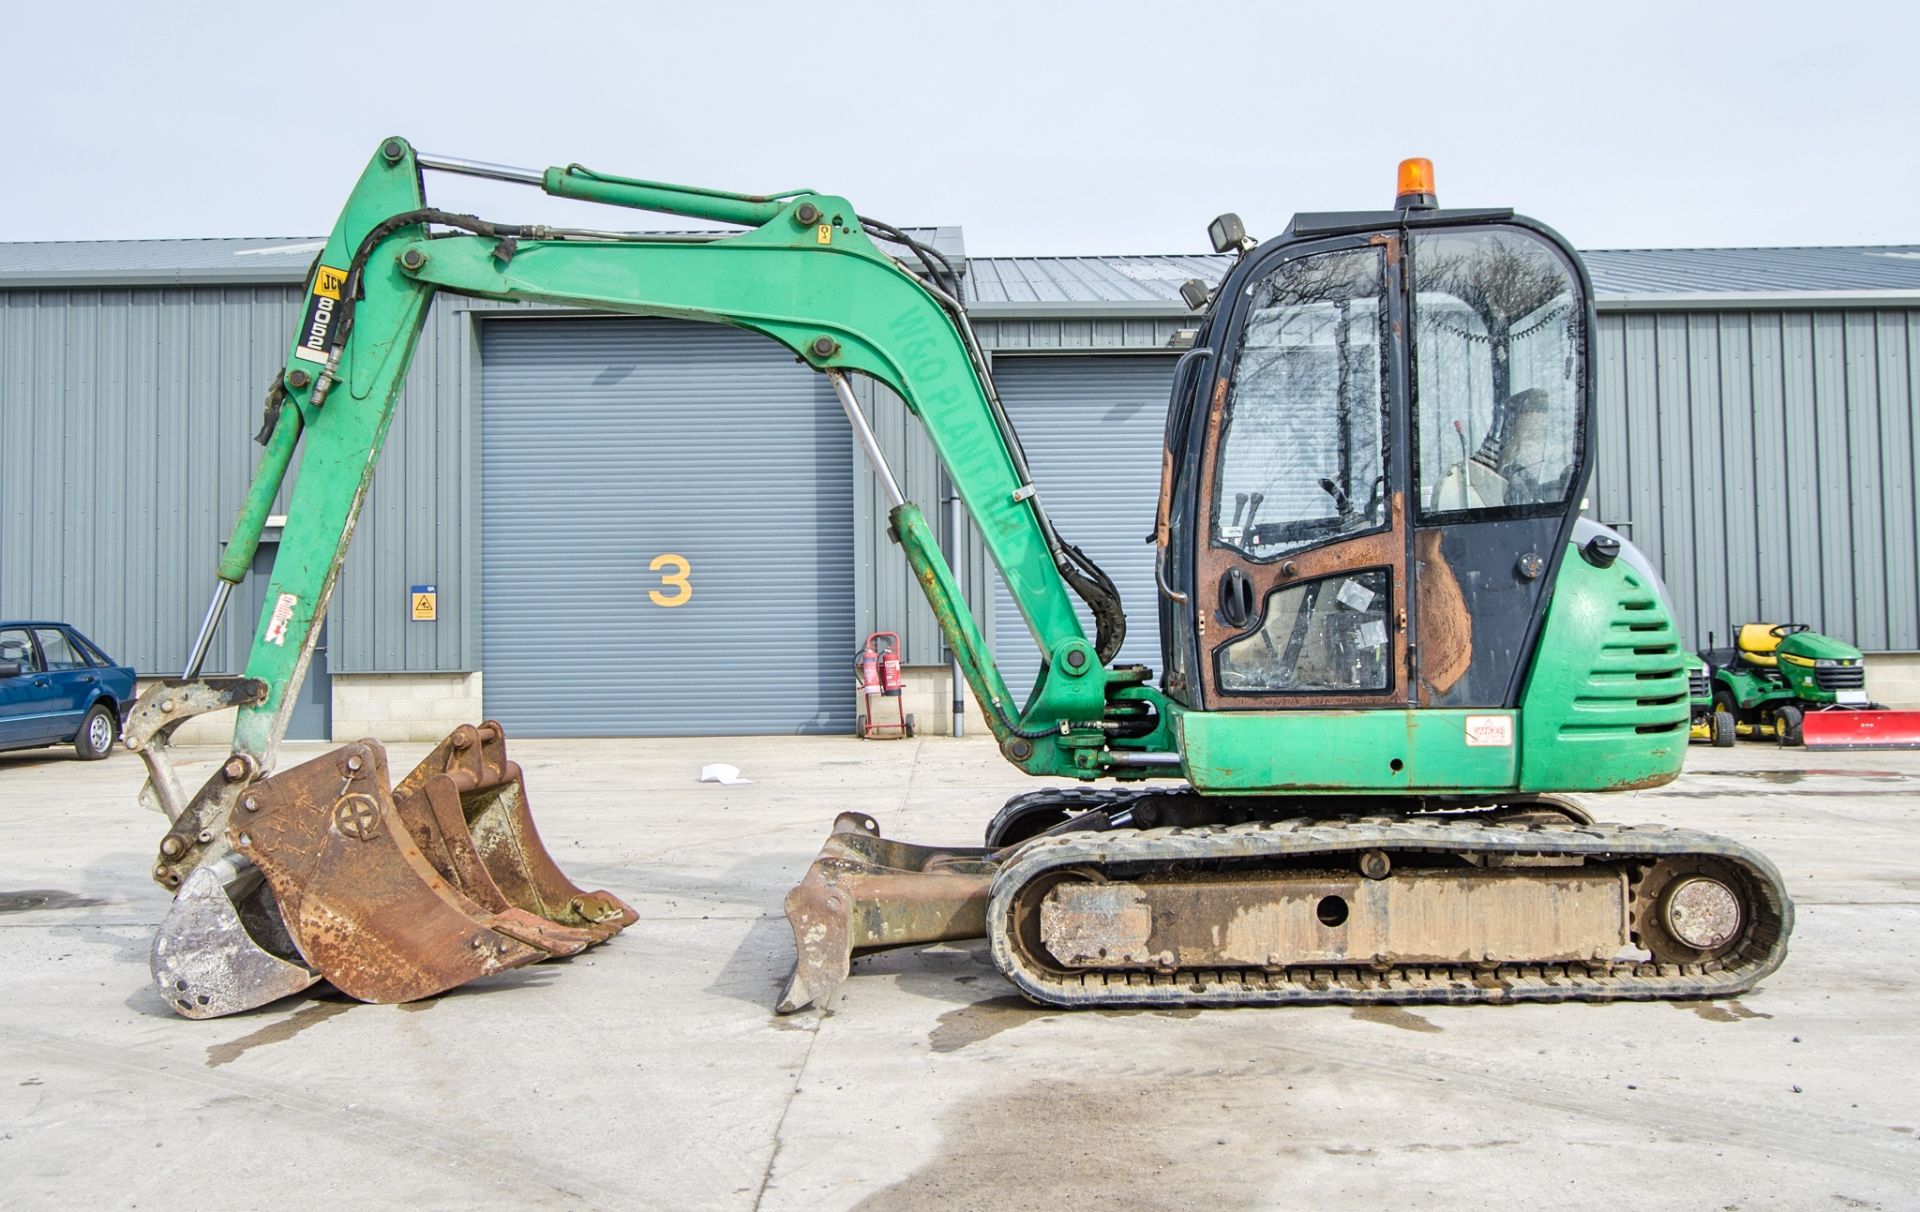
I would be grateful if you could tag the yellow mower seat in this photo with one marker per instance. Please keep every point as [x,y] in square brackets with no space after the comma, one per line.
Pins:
[1756,643]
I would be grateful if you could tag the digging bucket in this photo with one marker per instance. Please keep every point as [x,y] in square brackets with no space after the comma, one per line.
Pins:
[395,893]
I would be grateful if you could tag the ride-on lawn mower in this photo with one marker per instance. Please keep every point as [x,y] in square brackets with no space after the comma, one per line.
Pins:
[1791,683]
[1712,720]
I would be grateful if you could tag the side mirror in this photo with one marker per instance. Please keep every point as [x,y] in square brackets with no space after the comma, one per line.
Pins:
[9,669]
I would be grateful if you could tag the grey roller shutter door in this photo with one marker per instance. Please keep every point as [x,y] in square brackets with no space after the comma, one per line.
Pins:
[1092,427]
[607,444]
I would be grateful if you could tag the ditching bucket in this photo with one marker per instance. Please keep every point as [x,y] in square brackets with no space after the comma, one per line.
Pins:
[399,893]
[1873,728]
[865,894]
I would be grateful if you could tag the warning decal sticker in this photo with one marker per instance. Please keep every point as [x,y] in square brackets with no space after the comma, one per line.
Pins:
[1490,730]
[282,615]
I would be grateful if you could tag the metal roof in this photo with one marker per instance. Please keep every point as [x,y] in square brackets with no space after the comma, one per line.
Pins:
[157,262]
[1625,271]
[258,259]
[1041,280]
[1623,279]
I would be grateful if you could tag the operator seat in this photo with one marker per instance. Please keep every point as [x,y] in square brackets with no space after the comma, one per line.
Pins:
[1756,643]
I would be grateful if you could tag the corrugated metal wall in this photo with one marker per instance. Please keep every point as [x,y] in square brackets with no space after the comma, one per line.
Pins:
[1764,460]
[886,596]
[127,415]
[127,418]
[1092,428]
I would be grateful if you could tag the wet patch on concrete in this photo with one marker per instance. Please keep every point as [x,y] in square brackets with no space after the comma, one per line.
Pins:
[982,1020]
[34,900]
[1721,1012]
[1788,777]
[1126,1143]
[275,1033]
[1395,1016]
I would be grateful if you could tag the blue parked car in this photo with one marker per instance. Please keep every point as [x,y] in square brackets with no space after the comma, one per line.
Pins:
[58,688]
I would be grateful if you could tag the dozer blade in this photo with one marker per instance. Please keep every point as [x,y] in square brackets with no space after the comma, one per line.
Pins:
[865,894]
[395,894]
[1843,728]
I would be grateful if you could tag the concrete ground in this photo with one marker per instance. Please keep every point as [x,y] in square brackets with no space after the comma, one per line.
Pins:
[651,1072]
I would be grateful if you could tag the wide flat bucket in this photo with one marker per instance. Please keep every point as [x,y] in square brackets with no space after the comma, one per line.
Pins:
[865,893]
[1851,729]
[399,893]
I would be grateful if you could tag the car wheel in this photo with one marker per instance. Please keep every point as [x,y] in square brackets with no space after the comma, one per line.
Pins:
[95,738]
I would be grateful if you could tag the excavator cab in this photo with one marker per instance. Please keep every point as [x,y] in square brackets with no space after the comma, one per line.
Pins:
[1376,446]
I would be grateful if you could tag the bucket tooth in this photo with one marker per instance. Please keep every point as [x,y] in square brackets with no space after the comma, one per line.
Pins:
[390,894]
[865,893]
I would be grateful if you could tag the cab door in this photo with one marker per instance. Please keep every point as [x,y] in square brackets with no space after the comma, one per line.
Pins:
[1300,526]
[1500,406]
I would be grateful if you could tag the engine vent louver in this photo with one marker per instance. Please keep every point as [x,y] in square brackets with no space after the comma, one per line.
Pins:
[1638,681]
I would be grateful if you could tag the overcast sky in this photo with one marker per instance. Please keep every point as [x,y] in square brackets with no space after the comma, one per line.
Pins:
[1114,127]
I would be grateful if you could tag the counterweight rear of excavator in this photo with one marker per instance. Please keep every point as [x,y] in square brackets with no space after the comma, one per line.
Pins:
[1389,642]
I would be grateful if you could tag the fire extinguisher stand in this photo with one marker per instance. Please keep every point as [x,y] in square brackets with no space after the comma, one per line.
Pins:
[876,670]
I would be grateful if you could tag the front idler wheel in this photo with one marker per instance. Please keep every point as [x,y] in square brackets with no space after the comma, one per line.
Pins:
[1691,911]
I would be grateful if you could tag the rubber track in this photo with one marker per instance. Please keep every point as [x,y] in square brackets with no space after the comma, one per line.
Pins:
[1759,953]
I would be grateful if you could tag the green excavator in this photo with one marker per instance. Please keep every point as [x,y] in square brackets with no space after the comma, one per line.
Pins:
[1390,644]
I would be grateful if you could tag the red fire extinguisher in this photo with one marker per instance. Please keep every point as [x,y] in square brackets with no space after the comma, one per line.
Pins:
[890,681]
[867,668]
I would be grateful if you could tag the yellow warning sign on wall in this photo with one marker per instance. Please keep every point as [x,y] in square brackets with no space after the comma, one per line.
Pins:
[425,600]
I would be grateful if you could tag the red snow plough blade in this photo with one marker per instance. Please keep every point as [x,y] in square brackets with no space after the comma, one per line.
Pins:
[1873,728]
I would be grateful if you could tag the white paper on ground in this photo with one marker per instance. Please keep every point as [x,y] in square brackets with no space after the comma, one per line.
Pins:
[720,772]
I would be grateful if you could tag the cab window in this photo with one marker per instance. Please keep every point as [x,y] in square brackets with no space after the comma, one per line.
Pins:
[1302,456]
[1497,319]
[1322,636]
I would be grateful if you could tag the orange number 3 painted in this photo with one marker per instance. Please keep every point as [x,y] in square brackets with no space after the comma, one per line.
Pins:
[677,579]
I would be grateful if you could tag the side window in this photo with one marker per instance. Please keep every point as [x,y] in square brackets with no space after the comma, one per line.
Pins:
[1302,456]
[1497,399]
[17,649]
[1324,635]
[61,656]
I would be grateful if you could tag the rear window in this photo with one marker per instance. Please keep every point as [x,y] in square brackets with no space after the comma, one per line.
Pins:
[93,653]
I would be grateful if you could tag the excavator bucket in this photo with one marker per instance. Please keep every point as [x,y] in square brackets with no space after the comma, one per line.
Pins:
[399,893]
[865,894]
[1875,728]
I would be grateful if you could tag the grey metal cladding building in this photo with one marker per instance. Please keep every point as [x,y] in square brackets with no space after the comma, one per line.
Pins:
[1756,437]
